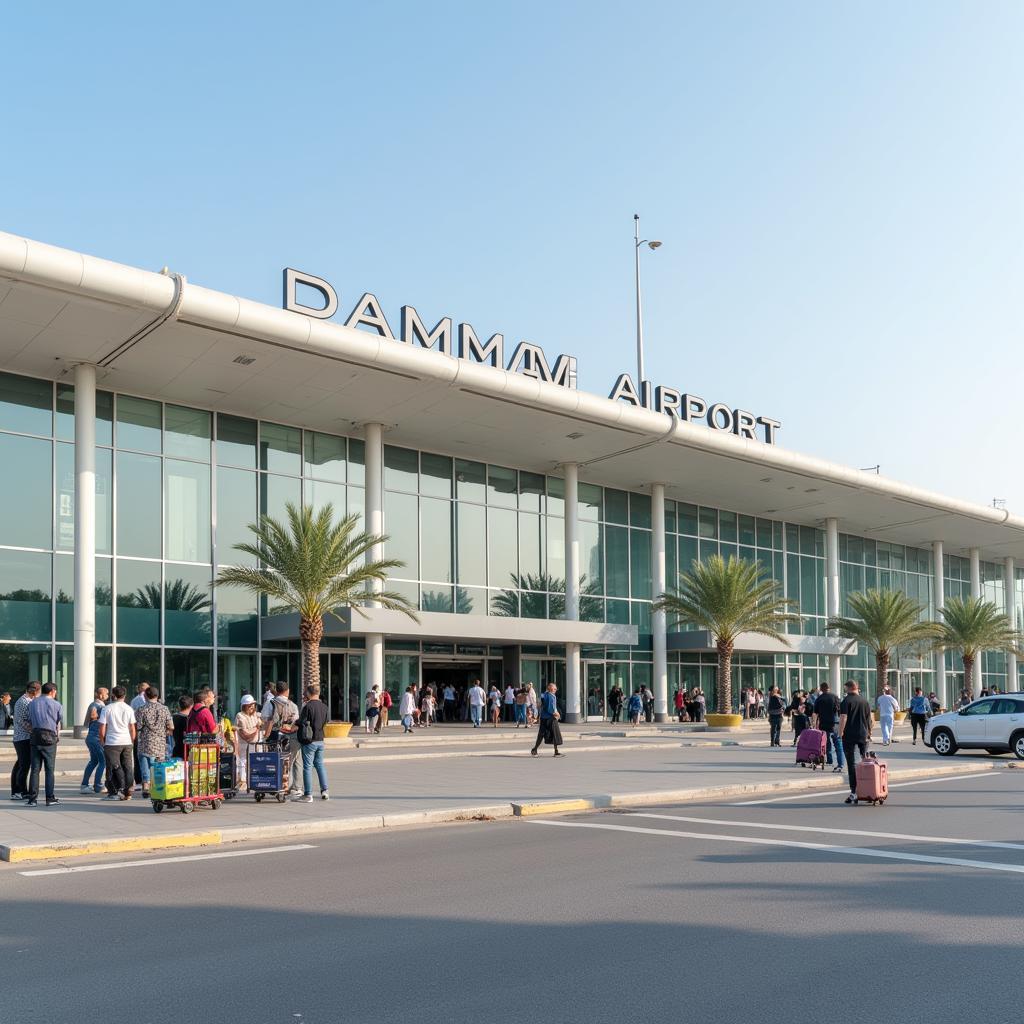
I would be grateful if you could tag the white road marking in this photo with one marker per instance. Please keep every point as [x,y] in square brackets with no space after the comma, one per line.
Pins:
[843,851]
[989,843]
[164,860]
[839,791]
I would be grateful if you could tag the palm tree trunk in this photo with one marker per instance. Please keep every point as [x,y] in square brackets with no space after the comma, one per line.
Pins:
[881,670]
[969,676]
[723,696]
[311,632]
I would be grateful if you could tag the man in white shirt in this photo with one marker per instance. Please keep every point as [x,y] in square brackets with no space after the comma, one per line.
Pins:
[117,734]
[449,702]
[887,706]
[477,700]
[510,702]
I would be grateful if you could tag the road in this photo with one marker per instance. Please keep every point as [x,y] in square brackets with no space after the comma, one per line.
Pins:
[710,912]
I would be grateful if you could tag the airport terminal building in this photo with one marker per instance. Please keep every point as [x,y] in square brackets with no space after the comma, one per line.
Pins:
[145,421]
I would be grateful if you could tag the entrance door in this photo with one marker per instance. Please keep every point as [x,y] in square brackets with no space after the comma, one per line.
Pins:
[460,676]
[594,693]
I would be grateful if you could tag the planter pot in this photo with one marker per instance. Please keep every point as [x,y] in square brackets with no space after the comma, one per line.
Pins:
[900,716]
[724,721]
[337,730]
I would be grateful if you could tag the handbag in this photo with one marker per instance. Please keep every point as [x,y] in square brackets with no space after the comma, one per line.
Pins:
[44,737]
[306,732]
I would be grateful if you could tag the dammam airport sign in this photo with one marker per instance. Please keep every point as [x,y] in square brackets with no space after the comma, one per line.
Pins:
[526,358]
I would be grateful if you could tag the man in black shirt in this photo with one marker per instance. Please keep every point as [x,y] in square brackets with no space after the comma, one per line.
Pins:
[776,707]
[826,718]
[855,730]
[310,733]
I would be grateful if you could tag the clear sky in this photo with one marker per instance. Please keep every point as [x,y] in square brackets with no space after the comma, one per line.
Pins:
[838,187]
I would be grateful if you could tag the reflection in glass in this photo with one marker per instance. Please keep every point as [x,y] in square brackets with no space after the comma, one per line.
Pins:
[436,475]
[436,599]
[402,529]
[237,617]
[236,509]
[401,469]
[501,486]
[65,499]
[470,481]
[320,493]
[187,605]
[325,456]
[187,496]
[356,461]
[236,441]
[276,492]
[436,516]
[138,505]
[236,674]
[66,415]
[472,543]
[281,448]
[138,424]
[185,672]
[187,432]
[138,665]
[26,404]
[64,587]
[64,676]
[22,663]
[531,491]
[25,512]
[502,546]
[24,595]
[138,602]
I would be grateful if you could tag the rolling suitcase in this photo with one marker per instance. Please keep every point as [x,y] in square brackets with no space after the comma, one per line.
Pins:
[228,775]
[872,780]
[810,748]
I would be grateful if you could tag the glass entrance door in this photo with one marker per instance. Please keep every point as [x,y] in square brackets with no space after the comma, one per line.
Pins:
[594,694]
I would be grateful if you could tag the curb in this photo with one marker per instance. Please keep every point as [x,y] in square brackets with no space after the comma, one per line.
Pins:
[486,812]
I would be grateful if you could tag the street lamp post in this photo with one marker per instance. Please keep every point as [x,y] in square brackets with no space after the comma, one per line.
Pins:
[637,242]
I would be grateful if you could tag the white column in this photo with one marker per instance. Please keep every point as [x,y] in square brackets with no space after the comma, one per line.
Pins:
[572,592]
[373,517]
[658,619]
[975,572]
[1011,615]
[939,600]
[832,595]
[85,541]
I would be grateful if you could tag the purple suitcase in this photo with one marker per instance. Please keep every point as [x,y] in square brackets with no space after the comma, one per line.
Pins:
[810,748]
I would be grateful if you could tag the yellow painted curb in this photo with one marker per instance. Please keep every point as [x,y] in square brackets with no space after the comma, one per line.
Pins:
[134,844]
[551,807]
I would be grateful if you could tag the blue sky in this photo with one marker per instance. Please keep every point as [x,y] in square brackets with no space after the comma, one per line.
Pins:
[838,188]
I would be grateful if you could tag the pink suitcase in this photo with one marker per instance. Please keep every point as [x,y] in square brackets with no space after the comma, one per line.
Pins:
[810,748]
[872,780]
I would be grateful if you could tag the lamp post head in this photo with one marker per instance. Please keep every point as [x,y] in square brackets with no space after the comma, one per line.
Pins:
[654,245]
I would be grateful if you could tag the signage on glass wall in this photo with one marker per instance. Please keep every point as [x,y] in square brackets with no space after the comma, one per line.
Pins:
[462,342]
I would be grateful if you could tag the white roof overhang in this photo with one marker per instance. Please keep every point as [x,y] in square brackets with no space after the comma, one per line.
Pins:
[59,308]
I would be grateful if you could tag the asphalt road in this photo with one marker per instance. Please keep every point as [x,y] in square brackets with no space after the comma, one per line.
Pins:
[767,911]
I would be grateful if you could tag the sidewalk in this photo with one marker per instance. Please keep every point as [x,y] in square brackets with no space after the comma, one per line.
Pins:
[368,793]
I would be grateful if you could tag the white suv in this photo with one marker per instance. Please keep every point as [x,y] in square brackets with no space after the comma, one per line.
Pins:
[995,724]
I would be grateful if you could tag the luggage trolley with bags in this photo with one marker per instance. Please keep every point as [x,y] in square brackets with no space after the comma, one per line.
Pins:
[268,770]
[192,782]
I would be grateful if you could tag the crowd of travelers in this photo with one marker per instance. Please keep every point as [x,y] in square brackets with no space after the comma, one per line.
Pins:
[421,707]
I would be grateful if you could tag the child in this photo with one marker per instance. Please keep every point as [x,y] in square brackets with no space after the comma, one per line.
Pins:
[636,706]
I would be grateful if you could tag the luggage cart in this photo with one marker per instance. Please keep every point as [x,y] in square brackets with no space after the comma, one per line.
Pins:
[201,783]
[228,774]
[268,770]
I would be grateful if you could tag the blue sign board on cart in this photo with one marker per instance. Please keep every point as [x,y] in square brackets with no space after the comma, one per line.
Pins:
[264,771]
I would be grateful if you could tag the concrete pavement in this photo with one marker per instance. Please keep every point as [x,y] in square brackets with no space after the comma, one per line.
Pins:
[371,794]
[512,921]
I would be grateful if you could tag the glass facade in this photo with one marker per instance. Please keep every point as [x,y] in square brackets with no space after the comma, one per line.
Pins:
[177,487]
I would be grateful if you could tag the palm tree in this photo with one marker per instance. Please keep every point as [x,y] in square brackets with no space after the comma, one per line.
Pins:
[179,596]
[727,598]
[971,625]
[313,566]
[883,620]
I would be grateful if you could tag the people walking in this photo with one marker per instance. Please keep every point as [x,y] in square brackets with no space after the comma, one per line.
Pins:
[117,734]
[548,731]
[282,726]
[648,701]
[702,705]
[855,731]
[494,700]
[636,707]
[919,711]
[153,725]
[6,712]
[407,709]
[616,698]
[97,762]
[531,704]
[776,709]
[372,707]
[448,707]
[887,706]
[248,730]
[826,718]
[312,719]
[801,716]
[520,706]
[180,720]
[477,699]
[510,701]
[385,707]
[22,741]
[679,702]
[46,716]
[137,702]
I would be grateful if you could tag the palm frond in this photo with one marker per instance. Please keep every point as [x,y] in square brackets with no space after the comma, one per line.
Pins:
[972,625]
[883,620]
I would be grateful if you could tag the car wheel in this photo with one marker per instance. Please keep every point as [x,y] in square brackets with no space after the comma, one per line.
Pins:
[1017,746]
[943,743]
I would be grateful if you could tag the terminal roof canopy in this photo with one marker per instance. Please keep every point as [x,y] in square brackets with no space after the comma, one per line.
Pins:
[191,345]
